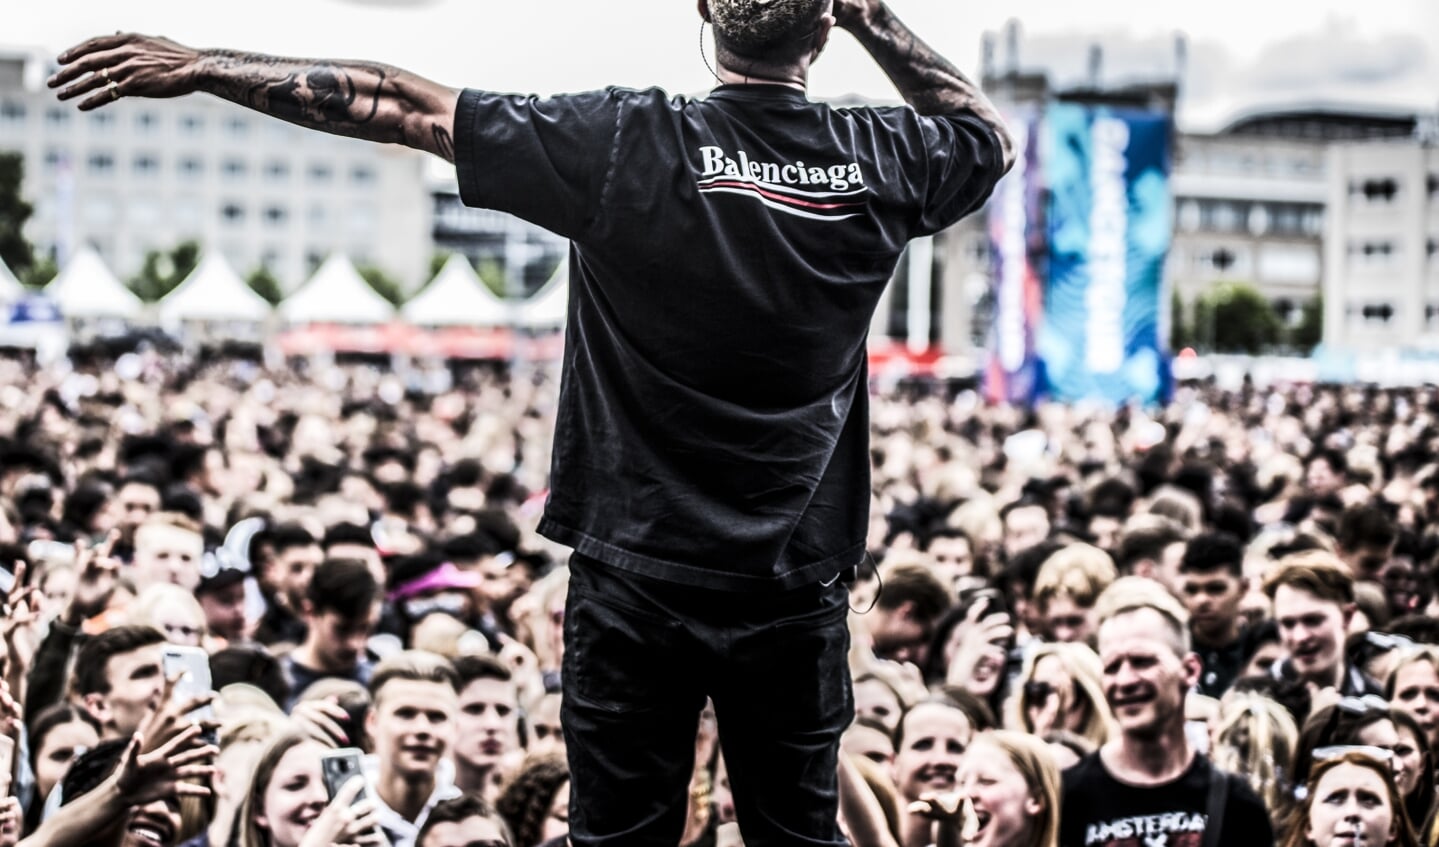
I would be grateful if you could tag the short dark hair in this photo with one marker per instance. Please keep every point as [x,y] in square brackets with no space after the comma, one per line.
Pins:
[87,772]
[913,583]
[348,533]
[95,656]
[458,809]
[56,714]
[946,531]
[1364,526]
[287,536]
[1212,551]
[250,666]
[343,586]
[1146,541]
[772,32]
[472,667]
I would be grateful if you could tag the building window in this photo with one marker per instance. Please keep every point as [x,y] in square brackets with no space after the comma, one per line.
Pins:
[12,113]
[237,127]
[146,123]
[1431,187]
[191,124]
[102,121]
[1372,314]
[1431,250]
[191,167]
[232,212]
[277,170]
[145,164]
[276,215]
[55,159]
[100,164]
[362,175]
[57,117]
[234,168]
[1371,252]
[1375,190]
[320,172]
[1431,314]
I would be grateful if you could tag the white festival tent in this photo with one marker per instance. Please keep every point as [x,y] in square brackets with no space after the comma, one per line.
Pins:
[10,287]
[336,294]
[548,307]
[213,292]
[86,288]
[456,297]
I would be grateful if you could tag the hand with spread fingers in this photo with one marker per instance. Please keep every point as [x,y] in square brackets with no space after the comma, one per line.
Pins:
[98,571]
[180,767]
[104,69]
[171,719]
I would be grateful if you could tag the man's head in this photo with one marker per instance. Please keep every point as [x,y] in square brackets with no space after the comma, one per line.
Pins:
[489,713]
[902,621]
[296,553]
[1068,584]
[353,541]
[1211,582]
[1313,596]
[168,548]
[951,553]
[119,677]
[1148,545]
[465,821]
[1325,472]
[763,36]
[341,609]
[1145,655]
[136,499]
[412,723]
[1366,540]
[1026,523]
[222,598]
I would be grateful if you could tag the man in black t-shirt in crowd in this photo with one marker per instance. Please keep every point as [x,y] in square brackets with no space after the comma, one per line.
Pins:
[1148,785]
[1211,584]
[711,463]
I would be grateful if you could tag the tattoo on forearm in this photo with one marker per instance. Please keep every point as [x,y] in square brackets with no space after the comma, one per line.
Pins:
[358,99]
[444,144]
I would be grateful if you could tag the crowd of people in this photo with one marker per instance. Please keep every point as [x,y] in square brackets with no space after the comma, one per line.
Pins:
[1210,623]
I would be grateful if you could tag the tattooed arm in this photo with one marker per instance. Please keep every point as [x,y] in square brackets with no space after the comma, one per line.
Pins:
[926,80]
[359,99]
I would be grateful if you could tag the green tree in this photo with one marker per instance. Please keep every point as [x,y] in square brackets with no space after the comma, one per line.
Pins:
[437,263]
[1179,330]
[15,251]
[1310,331]
[1235,318]
[163,270]
[385,285]
[264,283]
[39,274]
[492,274]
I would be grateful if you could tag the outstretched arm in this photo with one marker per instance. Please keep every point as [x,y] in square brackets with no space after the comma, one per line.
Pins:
[359,99]
[926,80]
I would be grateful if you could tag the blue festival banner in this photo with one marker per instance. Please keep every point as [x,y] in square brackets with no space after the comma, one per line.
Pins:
[1109,225]
[1016,243]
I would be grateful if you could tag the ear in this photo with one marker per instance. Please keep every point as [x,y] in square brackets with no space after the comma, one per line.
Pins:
[1348,610]
[94,703]
[905,610]
[1033,806]
[821,35]
[1193,669]
[704,9]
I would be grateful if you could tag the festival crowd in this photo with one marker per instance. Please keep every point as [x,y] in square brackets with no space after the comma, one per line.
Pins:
[1209,623]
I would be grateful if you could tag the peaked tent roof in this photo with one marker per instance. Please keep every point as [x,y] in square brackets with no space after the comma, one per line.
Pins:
[456,297]
[548,307]
[85,288]
[213,292]
[336,294]
[10,287]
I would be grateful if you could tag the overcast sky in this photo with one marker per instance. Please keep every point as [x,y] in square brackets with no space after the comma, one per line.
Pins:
[1242,53]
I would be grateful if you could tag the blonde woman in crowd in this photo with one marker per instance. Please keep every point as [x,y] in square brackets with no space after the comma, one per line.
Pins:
[1256,738]
[1060,688]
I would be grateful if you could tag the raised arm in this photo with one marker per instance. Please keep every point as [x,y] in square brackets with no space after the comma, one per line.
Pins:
[358,99]
[926,80]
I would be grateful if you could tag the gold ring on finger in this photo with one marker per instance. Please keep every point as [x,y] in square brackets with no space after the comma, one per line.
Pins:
[105,72]
[114,90]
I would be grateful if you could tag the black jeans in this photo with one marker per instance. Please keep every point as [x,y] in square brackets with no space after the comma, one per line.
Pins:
[641,656]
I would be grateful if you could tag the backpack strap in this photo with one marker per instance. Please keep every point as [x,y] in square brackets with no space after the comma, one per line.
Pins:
[1214,807]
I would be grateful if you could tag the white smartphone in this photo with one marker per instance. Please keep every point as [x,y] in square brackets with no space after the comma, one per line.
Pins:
[193,666]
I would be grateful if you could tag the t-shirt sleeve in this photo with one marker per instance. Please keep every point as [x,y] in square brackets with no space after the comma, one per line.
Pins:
[546,160]
[965,161]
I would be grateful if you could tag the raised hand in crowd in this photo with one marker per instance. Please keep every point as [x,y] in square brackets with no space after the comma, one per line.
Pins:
[97,572]
[323,719]
[345,823]
[978,662]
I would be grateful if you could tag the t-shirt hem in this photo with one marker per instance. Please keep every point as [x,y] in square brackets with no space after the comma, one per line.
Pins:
[655,568]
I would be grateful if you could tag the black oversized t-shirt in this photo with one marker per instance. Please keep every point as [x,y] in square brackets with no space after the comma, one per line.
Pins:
[1098,810]
[726,257]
